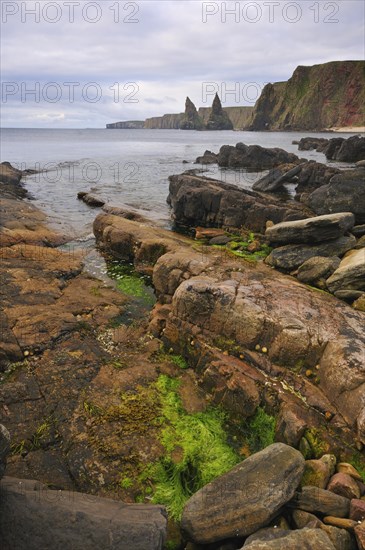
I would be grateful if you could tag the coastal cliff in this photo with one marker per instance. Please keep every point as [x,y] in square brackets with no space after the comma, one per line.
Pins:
[165,122]
[326,96]
[127,125]
[320,97]
[240,116]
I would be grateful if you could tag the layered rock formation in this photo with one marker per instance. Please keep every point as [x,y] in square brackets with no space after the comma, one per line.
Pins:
[165,122]
[126,125]
[197,200]
[239,116]
[314,98]
[203,299]
[191,119]
[218,118]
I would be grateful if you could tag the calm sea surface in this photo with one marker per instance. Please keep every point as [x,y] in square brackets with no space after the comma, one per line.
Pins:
[127,168]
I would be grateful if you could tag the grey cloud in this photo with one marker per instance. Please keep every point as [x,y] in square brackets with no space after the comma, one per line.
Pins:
[169,54]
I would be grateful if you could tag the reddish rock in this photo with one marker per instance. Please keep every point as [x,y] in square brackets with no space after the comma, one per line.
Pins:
[357,509]
[344,485]
[290,427]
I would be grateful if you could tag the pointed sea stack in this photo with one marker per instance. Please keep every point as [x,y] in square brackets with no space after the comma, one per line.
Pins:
[191,119]
[218,119]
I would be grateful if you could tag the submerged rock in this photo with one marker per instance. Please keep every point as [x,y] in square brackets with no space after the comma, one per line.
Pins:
[246,498]
[90,200]
[207,158]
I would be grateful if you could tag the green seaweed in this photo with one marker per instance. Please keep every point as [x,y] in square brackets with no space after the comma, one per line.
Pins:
[132,283]
[260,430]
[196,450]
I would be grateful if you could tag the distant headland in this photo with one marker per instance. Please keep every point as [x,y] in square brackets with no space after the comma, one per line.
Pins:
[330,96]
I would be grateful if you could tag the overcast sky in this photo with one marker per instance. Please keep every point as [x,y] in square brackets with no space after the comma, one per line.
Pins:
[90,63]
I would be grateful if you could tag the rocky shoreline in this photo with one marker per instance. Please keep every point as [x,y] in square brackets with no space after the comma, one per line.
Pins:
[87,398]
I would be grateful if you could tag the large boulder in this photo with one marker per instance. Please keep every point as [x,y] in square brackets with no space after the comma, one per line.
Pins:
[207,158]
[350,275]
[310,143]
[253,306]
[34,517]
[197,200]
[311,230]
[301,539]
[344,193]
[332,148]
[349,150]
[246,498]
[291,256]
[254,157]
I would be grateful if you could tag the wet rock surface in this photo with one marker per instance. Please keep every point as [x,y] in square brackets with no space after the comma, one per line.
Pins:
[78,390]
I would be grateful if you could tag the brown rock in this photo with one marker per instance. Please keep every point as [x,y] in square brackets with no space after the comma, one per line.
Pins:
[290,426]
[34,517]
[313,499]
[303,519]
[231,388]
[244,499]
[344,485]
[203,233]
[360,535]
[301,539]
[341,523]
[346,468]
[341,538]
